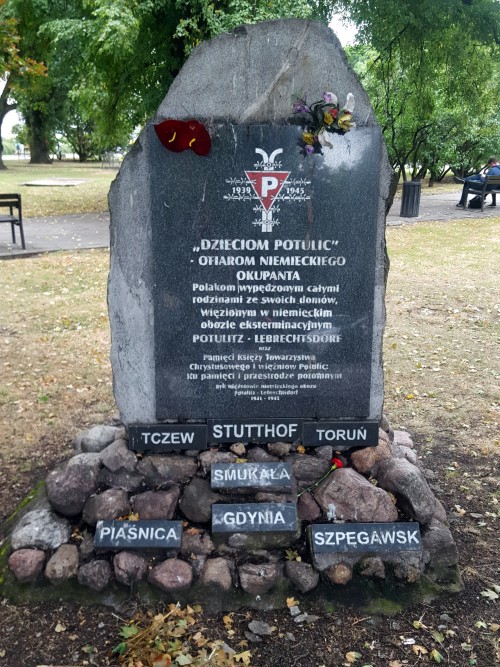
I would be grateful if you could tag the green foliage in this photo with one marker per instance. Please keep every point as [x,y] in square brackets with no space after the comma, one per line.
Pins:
[430,69]
[205,20]
[9,147]
[130,51]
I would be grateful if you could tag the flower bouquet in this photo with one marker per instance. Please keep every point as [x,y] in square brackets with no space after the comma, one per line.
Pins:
[323,117]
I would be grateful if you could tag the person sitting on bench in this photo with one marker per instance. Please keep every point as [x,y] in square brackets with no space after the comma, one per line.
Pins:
[493,169]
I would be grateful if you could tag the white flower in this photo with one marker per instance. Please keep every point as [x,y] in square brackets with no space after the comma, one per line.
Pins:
[349,103]
[323,140]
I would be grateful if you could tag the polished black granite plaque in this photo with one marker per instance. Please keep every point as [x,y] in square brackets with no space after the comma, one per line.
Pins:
[138,534]
[166,437]
[254,518]
[275,476]
[341,435]
[254,430]
[264,268]
[365,537]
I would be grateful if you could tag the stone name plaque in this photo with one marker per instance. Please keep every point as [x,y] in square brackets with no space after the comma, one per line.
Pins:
[166,437]
[264,270]
[256,430]
[254,518]
[341,435]
[275,476]
[177,437]
[138,534]
[365,537]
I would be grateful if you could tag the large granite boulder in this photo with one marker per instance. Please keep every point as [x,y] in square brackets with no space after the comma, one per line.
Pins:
[348,496]
[69,487]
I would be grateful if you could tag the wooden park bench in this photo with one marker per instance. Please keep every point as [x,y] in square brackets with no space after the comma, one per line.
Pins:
[490,186]
[14,216]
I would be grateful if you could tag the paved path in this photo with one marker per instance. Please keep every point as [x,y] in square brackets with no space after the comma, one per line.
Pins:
[91,230]
[62,232]
[440,206]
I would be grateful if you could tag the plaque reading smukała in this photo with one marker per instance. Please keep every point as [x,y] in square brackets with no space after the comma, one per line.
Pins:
[265,271]
[276,476]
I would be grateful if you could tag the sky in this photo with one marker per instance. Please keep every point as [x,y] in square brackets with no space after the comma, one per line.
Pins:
[345,33]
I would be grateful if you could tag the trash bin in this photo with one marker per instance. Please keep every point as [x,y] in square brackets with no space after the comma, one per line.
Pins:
[410,203]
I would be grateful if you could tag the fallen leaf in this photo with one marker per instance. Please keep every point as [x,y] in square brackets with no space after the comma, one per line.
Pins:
[128,631]
[490,594]
[184,659]
[436,655]
[419,650]
[301,449]
[227,620]
[438,636]
[494,627]
[352,656]
[199,639]
[243,657]
[395,663]
[59,627]
[292,602]
[164,661]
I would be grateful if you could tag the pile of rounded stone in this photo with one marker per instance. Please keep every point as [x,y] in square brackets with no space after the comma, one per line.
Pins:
[105,480]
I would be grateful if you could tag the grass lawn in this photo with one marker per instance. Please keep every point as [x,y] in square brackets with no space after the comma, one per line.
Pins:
[441,384]
[441,354]
[88,197]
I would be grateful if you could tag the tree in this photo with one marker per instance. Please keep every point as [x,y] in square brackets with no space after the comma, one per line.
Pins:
[429,68]
[130,51]
[109,62]
[16,71]
[42,97]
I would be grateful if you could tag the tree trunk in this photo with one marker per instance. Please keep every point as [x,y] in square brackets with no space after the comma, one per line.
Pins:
[2,165]
[5,107]
[39,140]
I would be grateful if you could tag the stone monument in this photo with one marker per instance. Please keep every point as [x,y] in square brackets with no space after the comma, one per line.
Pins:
[246,299]
[316,263]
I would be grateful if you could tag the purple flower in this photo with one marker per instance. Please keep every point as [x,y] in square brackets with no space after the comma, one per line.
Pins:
[300,106]
[309,149]
[330,98]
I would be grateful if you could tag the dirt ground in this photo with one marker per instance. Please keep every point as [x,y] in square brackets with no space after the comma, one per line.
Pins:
[441,361]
